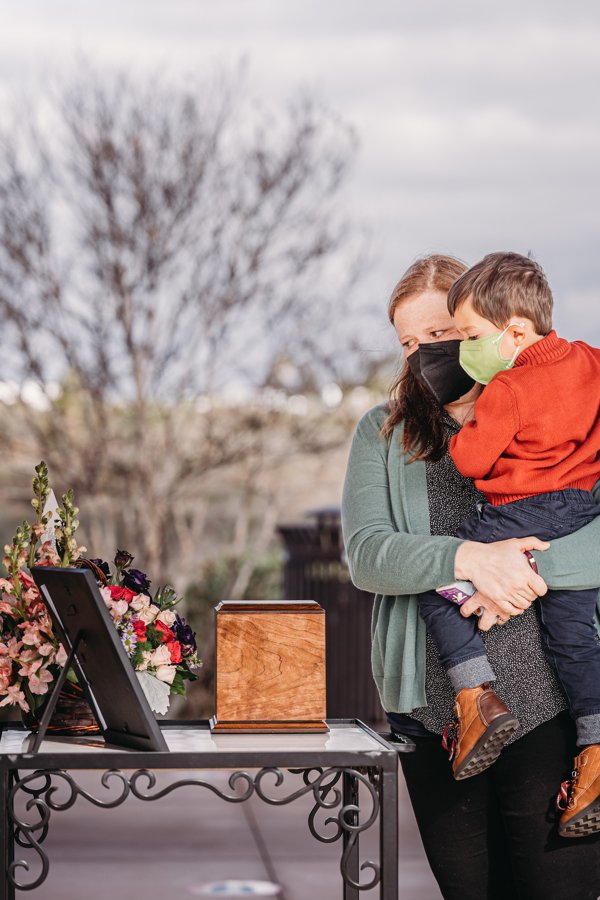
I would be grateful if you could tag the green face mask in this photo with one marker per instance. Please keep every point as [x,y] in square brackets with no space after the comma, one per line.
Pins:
[481,358]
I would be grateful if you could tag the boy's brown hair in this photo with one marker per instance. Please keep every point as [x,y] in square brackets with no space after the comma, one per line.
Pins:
[504,285]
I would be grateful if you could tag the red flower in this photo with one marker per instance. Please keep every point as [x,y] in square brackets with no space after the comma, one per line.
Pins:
[174,648]
[140,629]
[121,593]
[164,633]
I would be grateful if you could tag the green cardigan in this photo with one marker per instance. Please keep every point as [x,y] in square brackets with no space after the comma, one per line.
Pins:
[391,553]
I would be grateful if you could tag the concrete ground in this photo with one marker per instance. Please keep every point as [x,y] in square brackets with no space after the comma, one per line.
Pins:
[173,847]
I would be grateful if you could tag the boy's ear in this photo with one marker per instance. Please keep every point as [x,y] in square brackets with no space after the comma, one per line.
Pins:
[518,331]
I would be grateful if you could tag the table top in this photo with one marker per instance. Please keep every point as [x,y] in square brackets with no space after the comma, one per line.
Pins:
[193,745]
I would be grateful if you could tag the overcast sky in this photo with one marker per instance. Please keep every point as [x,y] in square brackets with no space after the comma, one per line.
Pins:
[479,123]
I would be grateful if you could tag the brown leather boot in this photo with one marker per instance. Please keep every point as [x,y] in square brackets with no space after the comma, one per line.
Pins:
[580,796]
[482,726]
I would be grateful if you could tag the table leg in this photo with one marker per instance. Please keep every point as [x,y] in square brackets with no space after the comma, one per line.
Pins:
[388,831]
[350,797]
[7,891]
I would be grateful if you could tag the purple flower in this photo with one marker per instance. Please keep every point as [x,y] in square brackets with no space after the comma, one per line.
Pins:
[103,566]
[123,559]
[185,636]
[136,581]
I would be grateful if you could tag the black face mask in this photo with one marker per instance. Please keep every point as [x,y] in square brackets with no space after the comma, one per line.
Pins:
[437,368]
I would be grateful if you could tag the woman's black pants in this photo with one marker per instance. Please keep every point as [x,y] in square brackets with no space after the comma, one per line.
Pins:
[494,836]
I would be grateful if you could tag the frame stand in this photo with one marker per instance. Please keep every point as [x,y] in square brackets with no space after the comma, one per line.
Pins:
[51,705]
[95,653]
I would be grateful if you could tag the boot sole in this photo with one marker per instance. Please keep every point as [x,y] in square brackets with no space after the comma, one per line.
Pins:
[488,748]
[587,822]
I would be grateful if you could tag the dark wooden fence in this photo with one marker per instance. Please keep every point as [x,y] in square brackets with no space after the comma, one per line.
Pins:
[315,569]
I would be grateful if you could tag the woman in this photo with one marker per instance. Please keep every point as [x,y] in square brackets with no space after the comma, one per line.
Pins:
[495,835]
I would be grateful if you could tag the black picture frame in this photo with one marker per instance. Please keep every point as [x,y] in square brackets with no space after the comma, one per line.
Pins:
[84,626]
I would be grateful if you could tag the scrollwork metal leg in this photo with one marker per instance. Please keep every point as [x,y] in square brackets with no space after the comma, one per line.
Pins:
[350,840]
[7,891]
[346,821]
[29,828]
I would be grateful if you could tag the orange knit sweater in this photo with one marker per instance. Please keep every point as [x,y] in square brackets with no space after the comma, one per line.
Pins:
[537,426]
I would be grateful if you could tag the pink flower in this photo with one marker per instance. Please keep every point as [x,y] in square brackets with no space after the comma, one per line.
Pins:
[30,668]
[47,555]
[15,695]
[14,648]
[38,684]
[7,607]
[26,579]
[61,656]
[31,596]
[6,667]
[31,635]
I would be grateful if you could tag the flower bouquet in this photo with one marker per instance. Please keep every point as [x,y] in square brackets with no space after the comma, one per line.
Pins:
[160,644]
[31,657]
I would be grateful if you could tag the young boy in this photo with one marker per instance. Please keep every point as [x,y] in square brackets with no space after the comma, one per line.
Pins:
[533,449]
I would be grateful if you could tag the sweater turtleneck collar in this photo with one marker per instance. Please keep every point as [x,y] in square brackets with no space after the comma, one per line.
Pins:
[548,350]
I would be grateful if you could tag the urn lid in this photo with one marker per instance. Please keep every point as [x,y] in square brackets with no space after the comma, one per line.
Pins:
[310,606]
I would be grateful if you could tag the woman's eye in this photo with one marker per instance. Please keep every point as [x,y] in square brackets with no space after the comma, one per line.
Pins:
[437,334]
[407,345]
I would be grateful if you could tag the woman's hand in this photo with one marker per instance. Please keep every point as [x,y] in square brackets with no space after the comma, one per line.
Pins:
[492,613]
[502,572]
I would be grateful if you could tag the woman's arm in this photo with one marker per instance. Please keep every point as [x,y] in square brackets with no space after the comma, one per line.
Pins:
[384,560]
[573,562]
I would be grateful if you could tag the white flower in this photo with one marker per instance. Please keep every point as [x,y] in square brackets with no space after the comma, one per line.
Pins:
[167,616]
[145,661]
[106,595]
[166,673]
[139,602]
[118,608]
[148,614]
[160,656]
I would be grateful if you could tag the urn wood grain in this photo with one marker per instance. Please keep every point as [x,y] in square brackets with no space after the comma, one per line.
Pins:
[270,666]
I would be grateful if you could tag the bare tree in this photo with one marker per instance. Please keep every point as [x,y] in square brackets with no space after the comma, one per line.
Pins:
[156,243]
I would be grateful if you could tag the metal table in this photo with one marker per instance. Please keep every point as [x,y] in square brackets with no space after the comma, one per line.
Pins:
[330,766]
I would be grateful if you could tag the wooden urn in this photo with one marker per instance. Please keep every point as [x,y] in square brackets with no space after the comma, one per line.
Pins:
[270,666]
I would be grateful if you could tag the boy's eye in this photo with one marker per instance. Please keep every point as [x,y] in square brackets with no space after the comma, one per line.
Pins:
[473,337]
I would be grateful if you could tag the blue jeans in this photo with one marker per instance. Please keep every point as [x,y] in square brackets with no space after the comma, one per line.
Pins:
[567,617]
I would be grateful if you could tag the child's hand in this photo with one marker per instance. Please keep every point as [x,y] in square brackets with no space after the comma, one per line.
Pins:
[490,613]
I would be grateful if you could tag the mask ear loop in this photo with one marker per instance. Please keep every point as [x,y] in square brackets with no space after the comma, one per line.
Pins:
[509,362]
